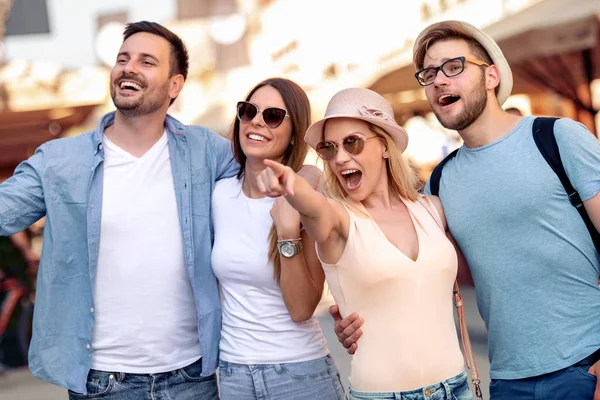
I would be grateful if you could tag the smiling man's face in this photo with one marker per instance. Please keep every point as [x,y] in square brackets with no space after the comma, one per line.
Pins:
[140,79]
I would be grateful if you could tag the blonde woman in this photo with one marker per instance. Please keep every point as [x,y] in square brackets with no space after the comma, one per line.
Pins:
[383,252]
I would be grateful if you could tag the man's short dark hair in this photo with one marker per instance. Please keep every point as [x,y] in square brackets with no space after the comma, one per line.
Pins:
[179,60]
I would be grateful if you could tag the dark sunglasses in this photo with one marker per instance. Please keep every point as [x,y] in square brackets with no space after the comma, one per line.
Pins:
[272,116]
[450,68]
[352,144]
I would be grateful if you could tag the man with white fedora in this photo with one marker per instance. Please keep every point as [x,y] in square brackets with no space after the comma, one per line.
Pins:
[529,238]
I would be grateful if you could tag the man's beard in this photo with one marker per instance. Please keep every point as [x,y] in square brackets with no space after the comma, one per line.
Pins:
[141,105]
[473,108]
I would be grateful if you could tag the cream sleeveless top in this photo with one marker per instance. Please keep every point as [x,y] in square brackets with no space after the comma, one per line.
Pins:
[409,336]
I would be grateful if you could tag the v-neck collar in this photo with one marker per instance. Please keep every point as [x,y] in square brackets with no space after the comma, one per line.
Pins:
[160,143]
[414,225]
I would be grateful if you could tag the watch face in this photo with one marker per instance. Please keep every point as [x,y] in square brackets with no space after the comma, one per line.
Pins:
[287,249]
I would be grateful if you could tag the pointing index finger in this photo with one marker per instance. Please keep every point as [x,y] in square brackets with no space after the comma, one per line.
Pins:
[278,168]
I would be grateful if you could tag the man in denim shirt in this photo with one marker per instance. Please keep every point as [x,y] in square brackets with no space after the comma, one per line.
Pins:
[127,304]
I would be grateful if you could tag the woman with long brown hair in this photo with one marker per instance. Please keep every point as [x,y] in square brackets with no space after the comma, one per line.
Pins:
[270,278]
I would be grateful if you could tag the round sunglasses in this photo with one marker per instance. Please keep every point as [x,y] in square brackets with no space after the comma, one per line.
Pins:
[352,144]
[272,116]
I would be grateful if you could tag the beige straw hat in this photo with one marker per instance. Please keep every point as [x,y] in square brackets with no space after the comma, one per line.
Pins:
[363,104]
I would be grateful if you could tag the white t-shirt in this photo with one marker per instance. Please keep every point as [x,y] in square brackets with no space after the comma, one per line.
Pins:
[146,319]
[257,327]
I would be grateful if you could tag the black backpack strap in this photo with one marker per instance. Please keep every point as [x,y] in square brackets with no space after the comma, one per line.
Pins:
[543,135]
[436,174]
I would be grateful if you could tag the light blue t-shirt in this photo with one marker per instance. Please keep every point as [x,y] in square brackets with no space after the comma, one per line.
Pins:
[532,259]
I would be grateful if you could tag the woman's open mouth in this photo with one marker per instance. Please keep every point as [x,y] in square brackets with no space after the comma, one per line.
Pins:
[351,179]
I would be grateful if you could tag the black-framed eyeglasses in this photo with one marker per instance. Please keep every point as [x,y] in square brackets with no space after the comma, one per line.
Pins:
[271,116]
[450,68]
[352,144]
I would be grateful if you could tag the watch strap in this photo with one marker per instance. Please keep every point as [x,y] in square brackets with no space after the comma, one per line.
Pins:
[296,243]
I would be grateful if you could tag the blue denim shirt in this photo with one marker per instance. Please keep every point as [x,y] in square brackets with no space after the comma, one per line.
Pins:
[63,181]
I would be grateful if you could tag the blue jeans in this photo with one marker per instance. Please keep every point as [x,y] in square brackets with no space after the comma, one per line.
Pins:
[455,388]
[182,384]
[306,380]
[573,383]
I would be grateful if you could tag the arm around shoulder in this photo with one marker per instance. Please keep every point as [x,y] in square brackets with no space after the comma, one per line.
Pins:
[223,160]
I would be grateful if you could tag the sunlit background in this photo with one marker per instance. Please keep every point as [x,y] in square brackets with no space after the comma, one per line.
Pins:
[56,56]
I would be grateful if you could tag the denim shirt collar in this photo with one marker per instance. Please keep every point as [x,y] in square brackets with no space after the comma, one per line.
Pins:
[171,124]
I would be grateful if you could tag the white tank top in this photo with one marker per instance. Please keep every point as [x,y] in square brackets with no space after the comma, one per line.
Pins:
[257,327]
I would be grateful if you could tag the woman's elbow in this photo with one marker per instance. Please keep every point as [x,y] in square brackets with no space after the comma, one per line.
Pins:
[301,316]
[303,313]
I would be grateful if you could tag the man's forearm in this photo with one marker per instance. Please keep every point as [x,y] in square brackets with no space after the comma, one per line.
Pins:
[21,241]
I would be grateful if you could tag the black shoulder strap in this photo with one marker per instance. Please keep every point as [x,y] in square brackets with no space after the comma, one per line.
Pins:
[543,135]
[436,174]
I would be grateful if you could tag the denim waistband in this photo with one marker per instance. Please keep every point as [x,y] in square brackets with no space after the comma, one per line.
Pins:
[227,364]
[424,392]
[120,376]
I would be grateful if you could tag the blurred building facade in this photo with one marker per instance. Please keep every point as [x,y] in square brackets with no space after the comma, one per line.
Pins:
[41,97]
[324,45]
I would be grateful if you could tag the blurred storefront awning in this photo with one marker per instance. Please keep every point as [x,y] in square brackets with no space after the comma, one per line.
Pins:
[40,102]
[552,46]
[21,132]
[555,46]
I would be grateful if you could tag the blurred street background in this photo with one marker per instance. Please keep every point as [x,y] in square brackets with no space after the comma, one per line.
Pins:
[56,56]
